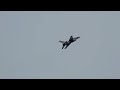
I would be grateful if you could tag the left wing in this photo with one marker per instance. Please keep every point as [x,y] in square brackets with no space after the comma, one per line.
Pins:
[62,42]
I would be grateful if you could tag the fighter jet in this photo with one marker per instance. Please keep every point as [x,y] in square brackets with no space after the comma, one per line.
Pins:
[67,43]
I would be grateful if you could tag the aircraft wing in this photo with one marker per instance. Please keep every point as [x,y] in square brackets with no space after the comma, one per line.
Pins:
[62,42]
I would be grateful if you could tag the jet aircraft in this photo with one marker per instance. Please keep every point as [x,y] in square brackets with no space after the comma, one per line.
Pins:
[67,43]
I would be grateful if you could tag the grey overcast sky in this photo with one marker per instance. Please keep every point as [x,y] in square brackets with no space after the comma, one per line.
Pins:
[29,47]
